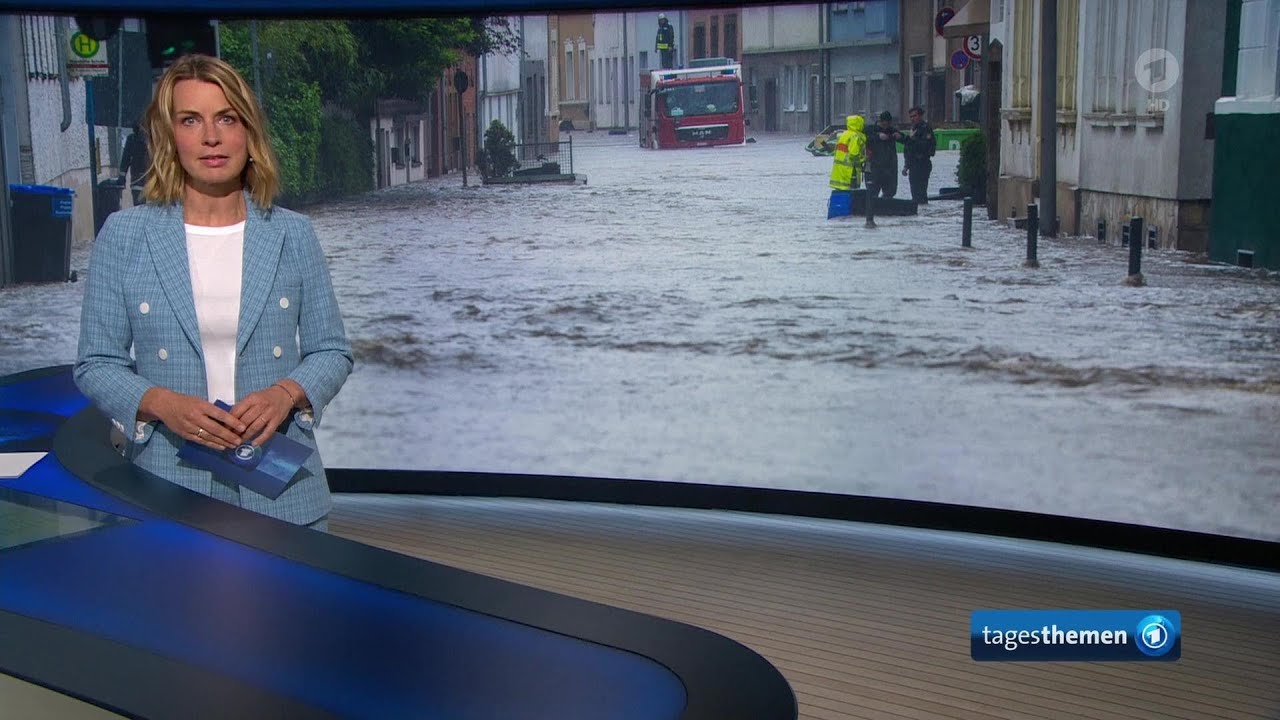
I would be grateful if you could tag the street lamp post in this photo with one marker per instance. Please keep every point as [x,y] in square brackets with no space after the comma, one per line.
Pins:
[461,83]
[1049,118]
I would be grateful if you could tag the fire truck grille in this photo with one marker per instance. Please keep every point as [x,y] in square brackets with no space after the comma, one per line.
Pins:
[702,133]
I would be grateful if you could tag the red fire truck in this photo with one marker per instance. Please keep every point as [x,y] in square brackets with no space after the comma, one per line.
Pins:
[694,107]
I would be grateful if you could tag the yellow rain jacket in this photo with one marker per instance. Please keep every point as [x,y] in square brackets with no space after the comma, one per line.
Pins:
[846,171]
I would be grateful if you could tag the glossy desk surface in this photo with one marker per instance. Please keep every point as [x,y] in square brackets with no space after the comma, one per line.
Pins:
[149,600]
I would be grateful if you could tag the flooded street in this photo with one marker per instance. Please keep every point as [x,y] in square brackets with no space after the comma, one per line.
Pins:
[693,316]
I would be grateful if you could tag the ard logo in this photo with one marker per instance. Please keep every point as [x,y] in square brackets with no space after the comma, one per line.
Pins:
[1157,70]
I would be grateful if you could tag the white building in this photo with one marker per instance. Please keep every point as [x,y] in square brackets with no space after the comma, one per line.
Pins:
[499,85]
[539,113]
[44,111]
[1136,82]
[398,130]
[620,53]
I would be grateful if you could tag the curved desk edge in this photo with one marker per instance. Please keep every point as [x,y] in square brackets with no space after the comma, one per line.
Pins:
[722,678]
[995,522]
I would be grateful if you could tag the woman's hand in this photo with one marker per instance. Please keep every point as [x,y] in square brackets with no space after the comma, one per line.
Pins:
[192,418]
[262,412]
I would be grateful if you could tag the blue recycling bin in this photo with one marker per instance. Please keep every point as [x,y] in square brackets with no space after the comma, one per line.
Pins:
[42,232]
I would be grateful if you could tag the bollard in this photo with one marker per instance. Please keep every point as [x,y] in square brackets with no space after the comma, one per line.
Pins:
[1033,227]
[1135,253]
[966,237]
[872,191]
[1102,232]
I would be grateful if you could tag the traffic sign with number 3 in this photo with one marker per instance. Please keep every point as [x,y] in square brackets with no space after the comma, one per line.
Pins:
[973,46]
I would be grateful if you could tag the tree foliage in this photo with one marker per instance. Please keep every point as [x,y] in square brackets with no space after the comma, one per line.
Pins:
[491,35]
[306,66]
[404,58]
[498,158]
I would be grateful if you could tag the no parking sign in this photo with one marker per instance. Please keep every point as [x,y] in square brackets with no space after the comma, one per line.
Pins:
[959,60]
[942,18]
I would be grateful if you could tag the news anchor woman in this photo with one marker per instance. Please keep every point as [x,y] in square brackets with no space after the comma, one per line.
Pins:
[209,292]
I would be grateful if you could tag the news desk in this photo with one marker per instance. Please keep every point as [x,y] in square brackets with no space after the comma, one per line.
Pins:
[148,600]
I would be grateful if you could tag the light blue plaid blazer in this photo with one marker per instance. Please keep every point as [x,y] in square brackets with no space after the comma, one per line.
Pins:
[138,298]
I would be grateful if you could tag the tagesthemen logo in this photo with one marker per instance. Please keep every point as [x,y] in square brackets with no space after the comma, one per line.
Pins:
[1157,70]
[1155,635]
[1075,635]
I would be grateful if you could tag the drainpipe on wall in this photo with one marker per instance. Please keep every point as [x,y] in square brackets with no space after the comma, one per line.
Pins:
[1049,118]
[682,56]
[626,76]
[6,241]
[60,32]
[522,111]
[477,118]
[377,145]
[823,70]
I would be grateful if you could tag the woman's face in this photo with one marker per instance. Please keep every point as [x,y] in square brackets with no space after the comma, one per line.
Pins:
[211,139]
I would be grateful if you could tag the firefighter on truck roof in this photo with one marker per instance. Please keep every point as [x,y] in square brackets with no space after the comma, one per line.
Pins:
[665,43]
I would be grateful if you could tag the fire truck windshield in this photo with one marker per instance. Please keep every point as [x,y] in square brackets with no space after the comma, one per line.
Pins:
[708,98]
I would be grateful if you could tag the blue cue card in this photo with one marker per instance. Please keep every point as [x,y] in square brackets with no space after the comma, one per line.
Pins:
[265,469]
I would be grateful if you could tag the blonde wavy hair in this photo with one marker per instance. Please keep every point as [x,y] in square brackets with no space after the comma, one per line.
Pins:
[166,178]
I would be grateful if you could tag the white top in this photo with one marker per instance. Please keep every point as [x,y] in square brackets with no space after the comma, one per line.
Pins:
[215,256]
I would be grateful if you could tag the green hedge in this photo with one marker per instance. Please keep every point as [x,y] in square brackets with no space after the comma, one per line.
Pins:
[971,174]
[294,114]
[346,165]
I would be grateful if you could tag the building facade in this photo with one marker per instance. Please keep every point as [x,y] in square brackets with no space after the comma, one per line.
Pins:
[575,36]
[499,84]
[1247,145]
[44,111]
[413,141]
[537,123]
[711,33]
[781,65]
[1135,84]
[623,45]
[929,79]
[865,57]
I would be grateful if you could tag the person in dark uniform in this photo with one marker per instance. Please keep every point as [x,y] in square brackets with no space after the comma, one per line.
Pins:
[135,161]
[917,149]
[665,43]
[882,158]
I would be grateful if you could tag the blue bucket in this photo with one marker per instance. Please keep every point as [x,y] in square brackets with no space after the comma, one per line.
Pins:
[840,204]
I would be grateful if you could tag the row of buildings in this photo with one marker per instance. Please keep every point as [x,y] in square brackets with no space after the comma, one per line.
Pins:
[804,65]
[1168,109]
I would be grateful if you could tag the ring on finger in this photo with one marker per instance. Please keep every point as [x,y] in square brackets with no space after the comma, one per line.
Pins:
[200,433]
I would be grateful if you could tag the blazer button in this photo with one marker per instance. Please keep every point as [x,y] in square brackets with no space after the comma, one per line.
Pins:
[144,308]
[277,351]
[164,354]
[284,303]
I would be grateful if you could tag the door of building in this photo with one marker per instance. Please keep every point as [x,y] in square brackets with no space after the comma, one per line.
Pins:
[771,105]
